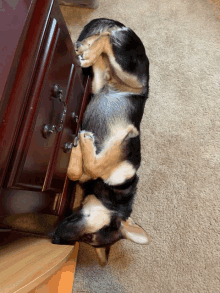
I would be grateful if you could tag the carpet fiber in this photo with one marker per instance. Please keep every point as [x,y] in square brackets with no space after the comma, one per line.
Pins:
[178,198]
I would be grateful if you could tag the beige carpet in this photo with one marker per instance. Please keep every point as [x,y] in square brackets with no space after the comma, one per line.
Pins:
[178,199]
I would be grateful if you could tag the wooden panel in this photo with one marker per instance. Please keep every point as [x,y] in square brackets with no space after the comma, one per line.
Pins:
[13,17]
[29,162]
[26,131]
[16,93]
[39,163]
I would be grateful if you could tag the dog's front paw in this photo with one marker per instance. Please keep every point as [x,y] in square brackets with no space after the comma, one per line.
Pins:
[77,46]
[84,62]
[80,47]
[87,135]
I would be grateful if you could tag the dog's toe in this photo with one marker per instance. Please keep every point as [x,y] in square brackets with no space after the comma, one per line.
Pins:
[77,46]
[81,58]
[84,62]
[87,135]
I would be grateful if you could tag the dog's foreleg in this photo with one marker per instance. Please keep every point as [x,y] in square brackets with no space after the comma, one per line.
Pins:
[88,152]
[75,170]
[103,164]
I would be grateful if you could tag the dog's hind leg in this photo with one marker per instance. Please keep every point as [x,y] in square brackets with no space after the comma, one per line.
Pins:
[84,45]
[89,53]
[101,73]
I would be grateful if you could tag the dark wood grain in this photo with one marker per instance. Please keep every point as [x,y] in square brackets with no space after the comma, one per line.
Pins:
[16,94]
[14,15]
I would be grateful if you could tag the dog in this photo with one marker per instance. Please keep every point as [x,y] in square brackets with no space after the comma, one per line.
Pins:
[108,155]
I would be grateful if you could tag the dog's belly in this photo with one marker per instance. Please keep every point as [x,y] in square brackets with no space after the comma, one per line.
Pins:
[106,116]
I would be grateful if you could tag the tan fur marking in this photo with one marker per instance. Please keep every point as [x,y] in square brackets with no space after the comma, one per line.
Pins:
[96,214]
[120,174]
[94,165]
[91,55]
[119,85]
[85,44]
[103,164]
[104,73]
[85,177]
[101,45]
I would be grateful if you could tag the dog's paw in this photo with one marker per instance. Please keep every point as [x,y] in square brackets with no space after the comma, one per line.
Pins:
[77,46]
[87,135]
[84,62]
[80,47]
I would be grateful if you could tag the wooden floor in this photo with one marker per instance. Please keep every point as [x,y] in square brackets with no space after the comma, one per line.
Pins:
[62,280]
[33,262]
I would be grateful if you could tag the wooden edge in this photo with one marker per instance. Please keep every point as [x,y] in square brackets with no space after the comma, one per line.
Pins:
[44,276]
[62,280]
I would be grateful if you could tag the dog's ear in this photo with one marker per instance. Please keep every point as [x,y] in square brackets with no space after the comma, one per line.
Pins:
[133,232]
[103,253]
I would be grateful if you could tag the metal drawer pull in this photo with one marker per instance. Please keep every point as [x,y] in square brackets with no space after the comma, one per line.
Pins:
[69,145]
[58,125]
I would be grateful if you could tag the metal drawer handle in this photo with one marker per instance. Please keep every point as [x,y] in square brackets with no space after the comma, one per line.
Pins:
[69,145]
[49,129]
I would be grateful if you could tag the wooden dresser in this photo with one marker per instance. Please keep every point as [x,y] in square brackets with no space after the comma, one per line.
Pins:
[43,94]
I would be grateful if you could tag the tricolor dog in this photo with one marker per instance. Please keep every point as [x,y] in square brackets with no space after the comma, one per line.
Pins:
[108,154]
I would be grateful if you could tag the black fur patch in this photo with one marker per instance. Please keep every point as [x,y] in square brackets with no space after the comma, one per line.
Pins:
[119,200]
[96,26]
[130,53]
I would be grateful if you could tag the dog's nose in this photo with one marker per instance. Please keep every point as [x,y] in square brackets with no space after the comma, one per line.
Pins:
[87,238]
[56,239]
